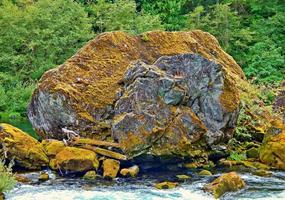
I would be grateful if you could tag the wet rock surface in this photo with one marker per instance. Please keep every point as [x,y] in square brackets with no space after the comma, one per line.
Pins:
[228,182]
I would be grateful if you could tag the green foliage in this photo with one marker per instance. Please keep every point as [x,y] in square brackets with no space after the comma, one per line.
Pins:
[37,36]
[237,156]
[169,11]
[121,15]
[251,31]
[7,180]
[34,37]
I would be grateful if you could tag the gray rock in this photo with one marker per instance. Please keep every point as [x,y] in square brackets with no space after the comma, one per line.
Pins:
[180,93]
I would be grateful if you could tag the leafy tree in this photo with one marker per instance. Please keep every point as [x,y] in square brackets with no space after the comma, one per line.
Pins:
[34,37]
[37,36]
[170,12]
[121,15]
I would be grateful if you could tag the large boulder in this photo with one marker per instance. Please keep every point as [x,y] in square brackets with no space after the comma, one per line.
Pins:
[178,97]
[273,146]
[26,151]
[182,94]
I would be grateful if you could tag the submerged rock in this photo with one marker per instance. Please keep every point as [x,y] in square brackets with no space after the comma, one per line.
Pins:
[273,147]
[22,179]
[111,168]
[182,177]
[263,173]
[229,182]
[166,185]
[44,176]
[72,159]
[26,151]
[205,173]
[131,171]
[180,96]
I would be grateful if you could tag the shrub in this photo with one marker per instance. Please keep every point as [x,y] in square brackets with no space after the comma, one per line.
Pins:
[7,179]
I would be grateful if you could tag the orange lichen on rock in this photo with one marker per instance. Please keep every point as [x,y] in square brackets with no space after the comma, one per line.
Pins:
[273,147]
[228,182]
[26,150]
[52,147]
[85,86]
[72,159]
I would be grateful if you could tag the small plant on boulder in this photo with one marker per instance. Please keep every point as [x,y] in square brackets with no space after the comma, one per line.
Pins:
[7,179]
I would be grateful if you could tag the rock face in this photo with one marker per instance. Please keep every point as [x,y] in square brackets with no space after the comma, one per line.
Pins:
[72,159]
[26,151]
[181,94]
[273,147]
[229,182]
[178,98]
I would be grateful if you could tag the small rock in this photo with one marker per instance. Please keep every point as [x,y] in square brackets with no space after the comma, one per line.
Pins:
[72,159]
[22,179]
[225,183]
[193,165]
[262,173]
[90,175]
[132,171]
[182,177]
[252,153]
[110,168]
[166,185]
[205,173]
[43,176]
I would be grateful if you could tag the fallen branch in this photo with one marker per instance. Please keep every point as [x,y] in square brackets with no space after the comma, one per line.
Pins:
[87,141]
[105,152]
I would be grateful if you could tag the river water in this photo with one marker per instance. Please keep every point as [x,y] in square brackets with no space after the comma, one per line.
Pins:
[141,188]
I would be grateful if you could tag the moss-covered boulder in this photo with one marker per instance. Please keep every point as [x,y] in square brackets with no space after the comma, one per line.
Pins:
[273,147]
[52,147]
[181,96]
[229,182]
[26,150]
[111,168]
[72,160]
